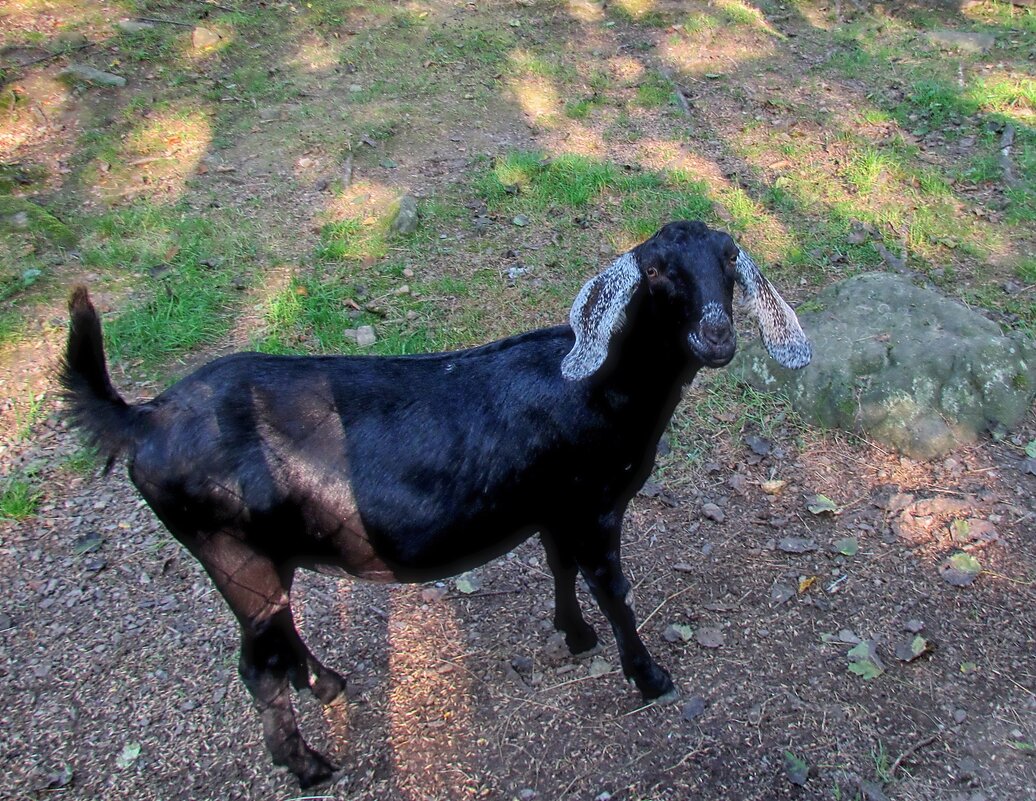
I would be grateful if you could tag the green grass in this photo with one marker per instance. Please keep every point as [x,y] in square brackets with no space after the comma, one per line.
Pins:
[19,497]
[866,166]
[192,266]
[654,91]
[533,184]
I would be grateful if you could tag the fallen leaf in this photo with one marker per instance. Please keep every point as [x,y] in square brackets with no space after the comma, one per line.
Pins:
[521,220]
[677,632]
[1030,449]
[821,504]
[865,669]
[796,768]
[864,661]
[465,586]
[968,667]
[129,754]
[806,583]
[961,569]
[847,546]
[909,650]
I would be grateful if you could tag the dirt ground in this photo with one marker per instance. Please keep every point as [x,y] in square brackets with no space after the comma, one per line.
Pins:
[118,660]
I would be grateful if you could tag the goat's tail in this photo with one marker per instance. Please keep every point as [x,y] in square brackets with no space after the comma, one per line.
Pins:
[94,404]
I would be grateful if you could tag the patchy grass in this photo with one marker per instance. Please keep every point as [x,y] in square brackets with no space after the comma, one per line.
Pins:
[19,497]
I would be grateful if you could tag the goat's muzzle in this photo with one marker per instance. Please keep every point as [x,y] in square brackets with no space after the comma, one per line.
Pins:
[714,342]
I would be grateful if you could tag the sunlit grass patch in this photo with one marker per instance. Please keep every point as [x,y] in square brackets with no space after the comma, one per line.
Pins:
[1015,96]
[195,266]
[156,157]
[699,23]
[866,167]
[643,12]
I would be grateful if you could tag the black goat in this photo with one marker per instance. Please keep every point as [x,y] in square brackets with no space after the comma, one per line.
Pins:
[414,468]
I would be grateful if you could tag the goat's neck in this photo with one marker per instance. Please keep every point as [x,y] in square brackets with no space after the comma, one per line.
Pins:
[651,364]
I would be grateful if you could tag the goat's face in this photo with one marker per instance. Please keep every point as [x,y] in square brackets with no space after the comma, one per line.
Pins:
[689,271]
[686,275]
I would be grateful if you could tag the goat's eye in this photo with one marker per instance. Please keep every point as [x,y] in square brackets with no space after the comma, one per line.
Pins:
[651,272]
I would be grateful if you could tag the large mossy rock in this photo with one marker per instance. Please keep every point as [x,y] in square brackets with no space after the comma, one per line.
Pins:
[902,364]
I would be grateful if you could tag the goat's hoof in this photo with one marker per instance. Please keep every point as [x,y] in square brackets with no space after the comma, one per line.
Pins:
[670,697]
[316,771]
[583,644]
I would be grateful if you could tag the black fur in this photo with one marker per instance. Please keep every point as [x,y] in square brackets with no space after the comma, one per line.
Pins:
[411,468]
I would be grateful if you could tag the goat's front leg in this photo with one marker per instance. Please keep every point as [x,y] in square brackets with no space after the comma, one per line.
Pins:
[597,555]
[568,617]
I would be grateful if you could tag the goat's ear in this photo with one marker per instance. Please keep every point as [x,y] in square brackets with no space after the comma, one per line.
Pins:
[778,325]
[598,312]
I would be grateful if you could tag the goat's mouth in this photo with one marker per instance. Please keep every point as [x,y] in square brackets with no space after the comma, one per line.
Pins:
[712,354]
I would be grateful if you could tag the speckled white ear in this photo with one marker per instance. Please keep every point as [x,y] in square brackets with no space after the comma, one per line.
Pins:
[778,326]
[598,312]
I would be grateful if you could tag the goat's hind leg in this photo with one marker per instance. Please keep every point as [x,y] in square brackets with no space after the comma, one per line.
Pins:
[271,650]
[568,617]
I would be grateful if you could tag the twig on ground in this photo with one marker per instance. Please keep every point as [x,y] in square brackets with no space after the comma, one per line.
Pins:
[911,751]
[667,600]
[166,21]
[513,591]
[50,56]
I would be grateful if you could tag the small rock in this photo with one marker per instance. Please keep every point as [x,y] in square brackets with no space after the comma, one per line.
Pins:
[405,221]
[959,715]
[914,626]
[796,545]
[522,664]
[520,220]
[133,26]
[62,777]
[758,445]
[526,794]
[780,593]
[709,637]
[432,594]
[5,622]
[713,512]
[355,88]
[693,708]
[203,38]
[964,41]
[81,73]
[605,796]
[599,666]
[365,336]
[872,791]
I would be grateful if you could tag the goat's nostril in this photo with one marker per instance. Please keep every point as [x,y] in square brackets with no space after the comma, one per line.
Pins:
[715,336]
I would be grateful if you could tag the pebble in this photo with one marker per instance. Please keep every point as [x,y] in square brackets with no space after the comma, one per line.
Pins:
[712,512]
[365,336]
[693,708]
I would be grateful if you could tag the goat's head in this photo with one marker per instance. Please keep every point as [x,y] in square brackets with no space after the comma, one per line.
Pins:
[685,275]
